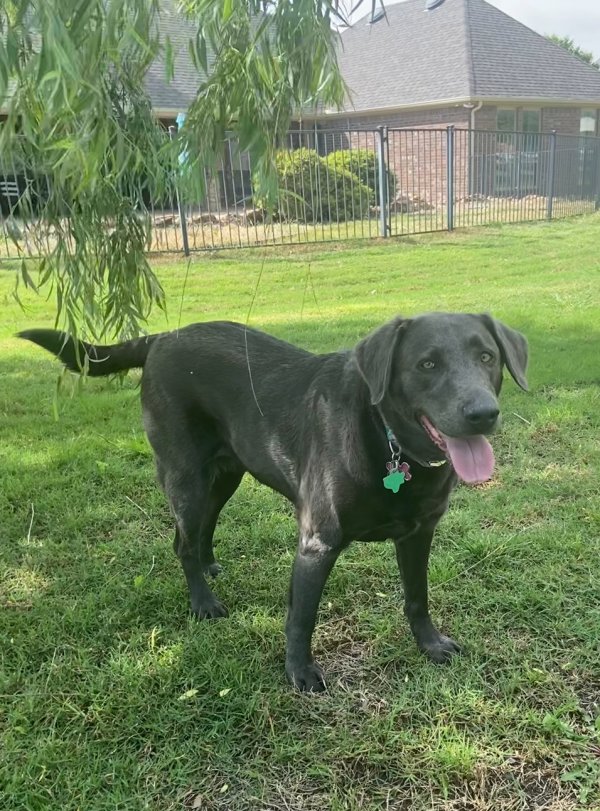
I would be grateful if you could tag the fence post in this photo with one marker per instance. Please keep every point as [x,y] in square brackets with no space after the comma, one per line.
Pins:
[180,208]
[383,191]
[552,174]
[450,176]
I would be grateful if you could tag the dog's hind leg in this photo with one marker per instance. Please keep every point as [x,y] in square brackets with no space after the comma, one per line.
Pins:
[197,471]
[196,496]
[213,498]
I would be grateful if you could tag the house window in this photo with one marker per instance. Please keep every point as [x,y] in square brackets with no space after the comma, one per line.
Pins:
[588,121]
[531,120]
[531,127]
[506,120]
[506,124]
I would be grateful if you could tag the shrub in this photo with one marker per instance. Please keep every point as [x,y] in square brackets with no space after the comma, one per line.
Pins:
[363,164]
[312,190]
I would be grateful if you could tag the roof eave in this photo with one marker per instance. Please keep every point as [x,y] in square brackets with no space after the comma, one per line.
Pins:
[373,110]
[168,112]
[457,102]
[541,101]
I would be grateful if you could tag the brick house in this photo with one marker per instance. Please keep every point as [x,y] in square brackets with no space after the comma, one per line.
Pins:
[463,62]
[459,62]
[428,65]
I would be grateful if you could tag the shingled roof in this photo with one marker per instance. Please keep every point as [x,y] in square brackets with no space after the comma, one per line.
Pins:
[171,97]
[461,51]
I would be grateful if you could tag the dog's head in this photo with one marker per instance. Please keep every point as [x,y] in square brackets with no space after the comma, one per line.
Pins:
[436,379]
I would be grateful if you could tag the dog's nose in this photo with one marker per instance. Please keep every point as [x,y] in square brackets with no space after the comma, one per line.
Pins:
[482,417]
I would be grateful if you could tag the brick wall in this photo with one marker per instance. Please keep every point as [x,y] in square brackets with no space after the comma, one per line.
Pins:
[419,160]
[565,120]
[416,148]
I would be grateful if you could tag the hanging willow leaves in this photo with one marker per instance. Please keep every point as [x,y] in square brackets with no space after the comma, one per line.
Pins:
[80,123]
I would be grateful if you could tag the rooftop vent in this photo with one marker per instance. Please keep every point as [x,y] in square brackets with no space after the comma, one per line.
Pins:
[431,4]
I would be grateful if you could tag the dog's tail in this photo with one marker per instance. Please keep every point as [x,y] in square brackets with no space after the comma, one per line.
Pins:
[79,356]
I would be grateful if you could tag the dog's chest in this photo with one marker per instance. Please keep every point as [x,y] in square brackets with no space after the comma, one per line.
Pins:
[377,513]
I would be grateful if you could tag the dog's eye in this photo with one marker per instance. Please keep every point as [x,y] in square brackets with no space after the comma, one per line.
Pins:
[486,357]
[427,364]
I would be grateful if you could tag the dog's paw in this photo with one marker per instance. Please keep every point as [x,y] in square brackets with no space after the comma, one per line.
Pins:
[308,678]
[212,610]
[213,569]
[441,649]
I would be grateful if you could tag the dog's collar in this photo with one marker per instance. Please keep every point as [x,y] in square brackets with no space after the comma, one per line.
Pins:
[399,472]
[392,441]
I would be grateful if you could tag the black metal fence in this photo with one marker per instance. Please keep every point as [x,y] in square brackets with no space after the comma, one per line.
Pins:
[348,184]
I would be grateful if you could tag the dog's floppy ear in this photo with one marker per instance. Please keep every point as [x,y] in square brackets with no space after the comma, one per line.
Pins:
[513,346]
[374,355]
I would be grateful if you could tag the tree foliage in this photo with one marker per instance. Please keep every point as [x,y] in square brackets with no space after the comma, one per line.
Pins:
[72,79]
[569,45]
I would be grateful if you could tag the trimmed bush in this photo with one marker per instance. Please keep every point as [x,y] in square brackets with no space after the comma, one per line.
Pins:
[363,164]
[312,190]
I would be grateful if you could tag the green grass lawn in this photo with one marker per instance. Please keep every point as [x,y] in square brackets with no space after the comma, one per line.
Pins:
[112,698]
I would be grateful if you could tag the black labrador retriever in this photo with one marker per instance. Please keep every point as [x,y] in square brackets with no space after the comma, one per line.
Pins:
[367,443]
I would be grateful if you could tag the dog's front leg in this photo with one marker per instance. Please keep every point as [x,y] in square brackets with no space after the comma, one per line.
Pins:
[315,557]
[412,554]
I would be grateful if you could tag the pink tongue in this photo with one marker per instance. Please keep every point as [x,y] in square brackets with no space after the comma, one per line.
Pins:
[472,458]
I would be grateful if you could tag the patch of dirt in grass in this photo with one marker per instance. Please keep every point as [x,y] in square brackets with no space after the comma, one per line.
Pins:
[19,587]
[287,792]
[347,664]
[515,786]
[587,690]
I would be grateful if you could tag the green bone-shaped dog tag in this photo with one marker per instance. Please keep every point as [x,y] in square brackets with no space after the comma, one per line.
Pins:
[393,481]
